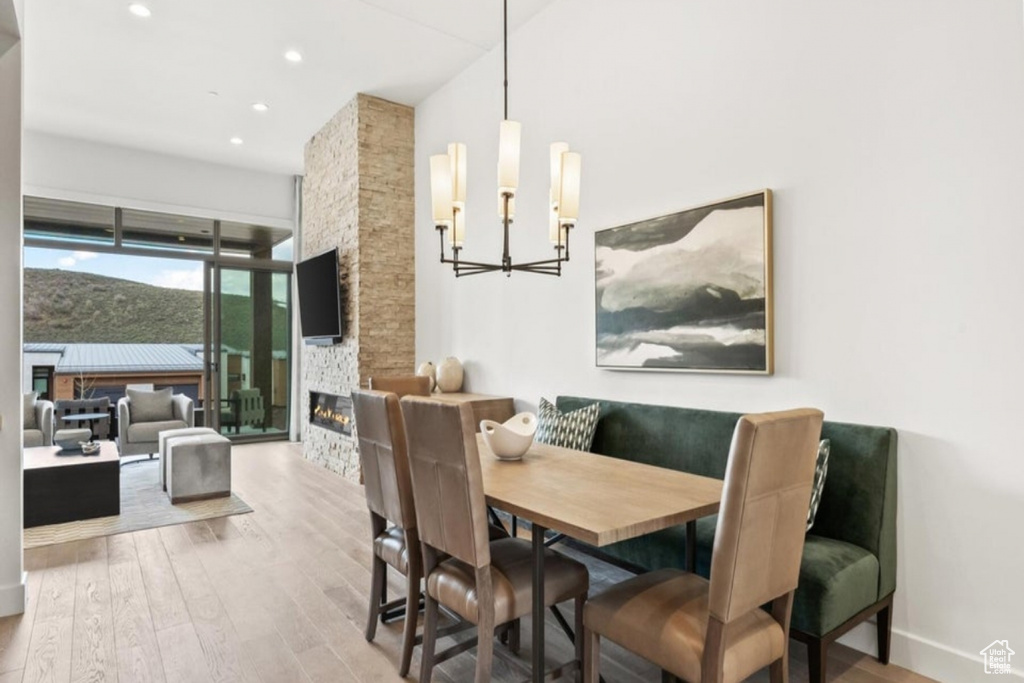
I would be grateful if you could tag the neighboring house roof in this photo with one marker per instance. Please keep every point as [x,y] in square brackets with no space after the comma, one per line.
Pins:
[120,358]
[129,358]
[36,347]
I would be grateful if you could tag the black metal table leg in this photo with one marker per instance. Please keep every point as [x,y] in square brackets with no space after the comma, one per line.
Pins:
[538,603]
[691,546]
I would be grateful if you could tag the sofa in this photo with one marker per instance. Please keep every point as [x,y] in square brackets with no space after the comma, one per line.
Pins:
[37,427]
[848,571]
[138,433]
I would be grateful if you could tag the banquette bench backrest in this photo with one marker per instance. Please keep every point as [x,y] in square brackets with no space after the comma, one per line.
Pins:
[858,504]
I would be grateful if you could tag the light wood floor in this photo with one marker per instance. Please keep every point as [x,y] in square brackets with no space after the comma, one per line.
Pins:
[274,596]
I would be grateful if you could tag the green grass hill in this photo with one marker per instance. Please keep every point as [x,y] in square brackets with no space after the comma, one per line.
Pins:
[69,307]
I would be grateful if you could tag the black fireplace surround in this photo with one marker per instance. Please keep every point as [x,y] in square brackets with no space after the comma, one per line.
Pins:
[330,411]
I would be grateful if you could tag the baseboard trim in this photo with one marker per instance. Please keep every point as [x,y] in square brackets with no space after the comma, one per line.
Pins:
[925,657]
[12,597]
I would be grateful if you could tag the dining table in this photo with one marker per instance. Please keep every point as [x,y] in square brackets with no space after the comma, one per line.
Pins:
[592,498]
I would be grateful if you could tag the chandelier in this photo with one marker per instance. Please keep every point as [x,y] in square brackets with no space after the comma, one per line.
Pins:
[448,197]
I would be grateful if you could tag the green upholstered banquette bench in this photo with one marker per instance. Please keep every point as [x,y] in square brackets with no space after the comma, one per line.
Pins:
[848,571]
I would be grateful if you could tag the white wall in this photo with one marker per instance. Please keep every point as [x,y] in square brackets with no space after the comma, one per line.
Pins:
[67,168]
[893,136]
[12,577]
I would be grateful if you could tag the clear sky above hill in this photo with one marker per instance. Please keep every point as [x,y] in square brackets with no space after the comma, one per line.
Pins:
[162,272]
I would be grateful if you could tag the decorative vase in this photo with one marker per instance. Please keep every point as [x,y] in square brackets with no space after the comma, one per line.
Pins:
[511,439]
[449,375]
[428,370]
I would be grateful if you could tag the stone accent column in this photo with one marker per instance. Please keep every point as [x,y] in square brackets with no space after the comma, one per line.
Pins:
[357,195]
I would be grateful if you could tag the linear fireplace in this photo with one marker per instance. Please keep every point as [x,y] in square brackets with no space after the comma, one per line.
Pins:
[330,411]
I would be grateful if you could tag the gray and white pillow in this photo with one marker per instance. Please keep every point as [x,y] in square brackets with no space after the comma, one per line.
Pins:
[150,406]
[820,470]
[574,429]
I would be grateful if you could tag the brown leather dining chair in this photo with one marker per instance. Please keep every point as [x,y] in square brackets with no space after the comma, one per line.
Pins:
[487,583]
[388,488]
[385,468]
[403,385]
[715,631]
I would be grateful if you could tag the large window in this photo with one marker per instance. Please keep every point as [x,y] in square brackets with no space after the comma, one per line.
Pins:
[42,381]
[117,296]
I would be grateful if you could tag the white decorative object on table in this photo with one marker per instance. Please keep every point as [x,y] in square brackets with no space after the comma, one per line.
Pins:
[510,440]
[428,370]
[449,375]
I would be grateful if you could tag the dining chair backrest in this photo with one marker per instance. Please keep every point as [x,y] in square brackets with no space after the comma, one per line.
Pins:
[403,385]
[447,481]
[763,515]
[383,456]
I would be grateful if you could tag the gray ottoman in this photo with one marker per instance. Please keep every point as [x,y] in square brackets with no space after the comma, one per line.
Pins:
[198,467]
[164,436]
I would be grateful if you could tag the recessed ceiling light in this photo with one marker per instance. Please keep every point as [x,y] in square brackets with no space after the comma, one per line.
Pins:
[260,107]
[139,10]
[293,56]
[236,141]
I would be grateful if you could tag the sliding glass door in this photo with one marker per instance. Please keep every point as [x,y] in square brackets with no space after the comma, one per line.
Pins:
[251,351]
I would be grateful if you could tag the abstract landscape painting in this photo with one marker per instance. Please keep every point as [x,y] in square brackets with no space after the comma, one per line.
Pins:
[688,291]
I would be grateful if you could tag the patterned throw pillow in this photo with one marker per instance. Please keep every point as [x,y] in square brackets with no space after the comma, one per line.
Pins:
[569,430]
[820,470]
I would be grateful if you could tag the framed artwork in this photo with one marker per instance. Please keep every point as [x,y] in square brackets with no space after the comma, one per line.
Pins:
[690,291]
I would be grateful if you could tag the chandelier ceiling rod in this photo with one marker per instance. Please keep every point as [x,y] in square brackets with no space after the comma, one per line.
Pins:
[448,194]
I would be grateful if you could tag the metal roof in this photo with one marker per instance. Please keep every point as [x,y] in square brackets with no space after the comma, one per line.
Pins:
[130,358]
[38,347]
[121,358]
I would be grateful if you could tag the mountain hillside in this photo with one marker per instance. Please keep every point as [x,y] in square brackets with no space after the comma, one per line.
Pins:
[67,306]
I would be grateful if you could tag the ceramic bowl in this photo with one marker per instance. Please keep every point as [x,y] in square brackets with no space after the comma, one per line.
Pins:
[68,446]
[89,447]
[511,440]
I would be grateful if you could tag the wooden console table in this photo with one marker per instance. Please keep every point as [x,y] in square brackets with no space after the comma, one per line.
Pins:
[497,408]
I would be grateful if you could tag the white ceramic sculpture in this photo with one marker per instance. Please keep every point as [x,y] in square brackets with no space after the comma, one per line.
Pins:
[428,370]
[511,440]
[449,375]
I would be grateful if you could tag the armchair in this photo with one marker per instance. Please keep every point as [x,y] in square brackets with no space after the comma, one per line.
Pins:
[245,407]
[142,415]
[38,423]
[100,428]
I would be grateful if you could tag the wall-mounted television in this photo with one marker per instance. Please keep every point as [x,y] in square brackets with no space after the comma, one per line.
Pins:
[319,298]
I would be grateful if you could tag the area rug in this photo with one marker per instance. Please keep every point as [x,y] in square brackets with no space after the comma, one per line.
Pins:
[144,505]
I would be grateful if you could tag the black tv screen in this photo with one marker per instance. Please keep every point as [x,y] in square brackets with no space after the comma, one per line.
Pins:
[319,296]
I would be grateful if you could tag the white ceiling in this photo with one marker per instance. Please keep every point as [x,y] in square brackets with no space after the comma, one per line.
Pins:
[95,71]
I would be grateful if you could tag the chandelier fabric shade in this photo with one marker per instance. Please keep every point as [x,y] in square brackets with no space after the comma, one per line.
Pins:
[448,173]
[441,192]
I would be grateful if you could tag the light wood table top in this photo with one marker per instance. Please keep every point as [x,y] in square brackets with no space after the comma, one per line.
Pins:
[595,498]
[42,457]
[463,397]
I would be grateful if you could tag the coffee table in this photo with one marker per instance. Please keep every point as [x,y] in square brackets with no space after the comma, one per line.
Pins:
[65,488]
